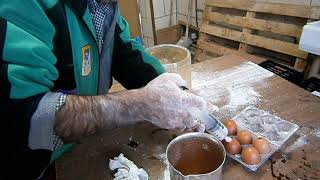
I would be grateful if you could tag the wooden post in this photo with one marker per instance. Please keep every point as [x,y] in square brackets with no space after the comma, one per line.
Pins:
[245,47]
[300,64]
[203,37]
[200,53]
[155,37]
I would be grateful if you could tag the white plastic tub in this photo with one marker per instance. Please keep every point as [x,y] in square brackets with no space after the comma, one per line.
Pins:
[175,59]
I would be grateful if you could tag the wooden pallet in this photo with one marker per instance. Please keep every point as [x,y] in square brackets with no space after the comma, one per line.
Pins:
[256,30]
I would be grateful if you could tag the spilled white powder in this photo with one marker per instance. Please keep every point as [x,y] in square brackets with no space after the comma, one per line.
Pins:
[317,133]
[232,87]
[301,141]
[243,96]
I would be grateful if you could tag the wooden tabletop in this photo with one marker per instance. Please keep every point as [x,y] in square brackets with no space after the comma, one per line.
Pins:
[231,83]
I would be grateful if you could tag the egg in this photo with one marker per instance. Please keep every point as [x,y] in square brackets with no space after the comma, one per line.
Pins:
[233,147]
[244,137]
[262,145]
[231,126]
[251,156]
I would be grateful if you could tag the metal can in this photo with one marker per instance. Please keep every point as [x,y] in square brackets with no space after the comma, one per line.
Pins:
[195,156]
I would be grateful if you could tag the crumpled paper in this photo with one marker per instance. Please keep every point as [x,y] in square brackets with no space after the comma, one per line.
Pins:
[126,169]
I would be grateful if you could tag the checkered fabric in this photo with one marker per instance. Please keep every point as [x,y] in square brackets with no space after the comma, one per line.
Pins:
[57,142]
[61,101]
[101,12]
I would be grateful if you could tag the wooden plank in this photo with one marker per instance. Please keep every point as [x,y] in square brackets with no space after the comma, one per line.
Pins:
[200,54]
[273,8]
[216,48]
[130,10]
[300,64]
[203,37]
[155,40]
[245,47]
[296,2]
[259,24]
[271,44]
[222,50]
[207,9]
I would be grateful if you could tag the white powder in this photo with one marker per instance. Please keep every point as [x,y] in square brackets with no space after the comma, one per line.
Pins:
[301,141]
[162,158]
[317,133]
[234,87]
[243,96]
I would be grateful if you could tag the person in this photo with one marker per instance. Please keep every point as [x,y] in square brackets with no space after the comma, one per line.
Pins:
[58,59]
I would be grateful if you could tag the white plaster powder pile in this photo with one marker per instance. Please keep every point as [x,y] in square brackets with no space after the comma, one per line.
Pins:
[243,96]
[237,82]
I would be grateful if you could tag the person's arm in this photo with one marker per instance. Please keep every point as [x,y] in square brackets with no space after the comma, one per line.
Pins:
[82,116]
[132,65]
[28,74]
[162,102]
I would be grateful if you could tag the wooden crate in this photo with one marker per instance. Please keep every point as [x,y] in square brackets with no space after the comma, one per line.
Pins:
[255,30]
[169,35]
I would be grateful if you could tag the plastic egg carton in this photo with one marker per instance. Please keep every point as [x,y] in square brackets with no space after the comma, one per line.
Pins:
[263,124]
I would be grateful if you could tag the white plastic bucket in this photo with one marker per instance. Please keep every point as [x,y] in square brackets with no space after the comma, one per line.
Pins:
[175,59]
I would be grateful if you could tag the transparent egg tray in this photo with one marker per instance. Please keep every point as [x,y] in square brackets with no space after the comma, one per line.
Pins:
[263,124]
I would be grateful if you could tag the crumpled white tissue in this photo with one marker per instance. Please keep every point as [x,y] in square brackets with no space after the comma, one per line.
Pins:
[126,169]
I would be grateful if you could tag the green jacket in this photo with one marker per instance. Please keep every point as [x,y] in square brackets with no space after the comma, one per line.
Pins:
[49,47]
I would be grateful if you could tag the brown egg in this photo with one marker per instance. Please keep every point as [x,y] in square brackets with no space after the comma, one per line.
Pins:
[233,147]
[244,137]
[251,156]
[262,145]
[231,126]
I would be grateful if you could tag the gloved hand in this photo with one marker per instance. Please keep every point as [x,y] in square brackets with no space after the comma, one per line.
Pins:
[163,103]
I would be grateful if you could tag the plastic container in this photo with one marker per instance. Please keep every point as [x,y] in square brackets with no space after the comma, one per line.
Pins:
[263,124]
[310,38]
[175,59]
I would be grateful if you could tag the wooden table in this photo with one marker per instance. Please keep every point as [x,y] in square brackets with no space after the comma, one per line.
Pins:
[298,158]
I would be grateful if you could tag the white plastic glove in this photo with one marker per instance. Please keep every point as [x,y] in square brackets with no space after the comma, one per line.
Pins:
[166,105]
[126,169]
[162,102]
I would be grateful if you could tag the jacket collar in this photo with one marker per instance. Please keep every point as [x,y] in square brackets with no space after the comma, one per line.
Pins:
[80,6]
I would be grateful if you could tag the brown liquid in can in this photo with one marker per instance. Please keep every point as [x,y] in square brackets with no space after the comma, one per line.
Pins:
[196,156]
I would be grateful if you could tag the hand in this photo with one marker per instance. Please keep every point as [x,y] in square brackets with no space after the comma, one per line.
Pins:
[163,103]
